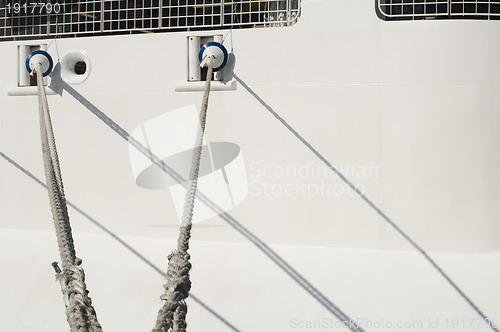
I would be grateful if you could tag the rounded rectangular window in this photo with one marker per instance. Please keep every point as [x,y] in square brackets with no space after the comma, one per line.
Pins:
[24,19]
[391,10]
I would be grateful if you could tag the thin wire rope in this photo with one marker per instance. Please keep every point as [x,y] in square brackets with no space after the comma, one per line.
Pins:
[80,314]
[172,314]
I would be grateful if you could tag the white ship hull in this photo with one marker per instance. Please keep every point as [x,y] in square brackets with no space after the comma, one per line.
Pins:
[407,111]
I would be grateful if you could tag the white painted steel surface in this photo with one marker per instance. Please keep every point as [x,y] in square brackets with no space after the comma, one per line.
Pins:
[408,111]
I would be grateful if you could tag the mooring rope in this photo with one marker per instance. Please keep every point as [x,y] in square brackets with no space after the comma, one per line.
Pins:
[80,314]
[172,315]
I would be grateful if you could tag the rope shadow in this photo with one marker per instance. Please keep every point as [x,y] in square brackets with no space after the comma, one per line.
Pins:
[366,200]
[119,240]
[264,248]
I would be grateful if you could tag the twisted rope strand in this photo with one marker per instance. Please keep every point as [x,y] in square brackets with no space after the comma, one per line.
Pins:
[80,314]
[173,313]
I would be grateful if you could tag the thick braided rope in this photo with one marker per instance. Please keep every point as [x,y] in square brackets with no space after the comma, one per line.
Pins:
[79,311]
[172,315]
